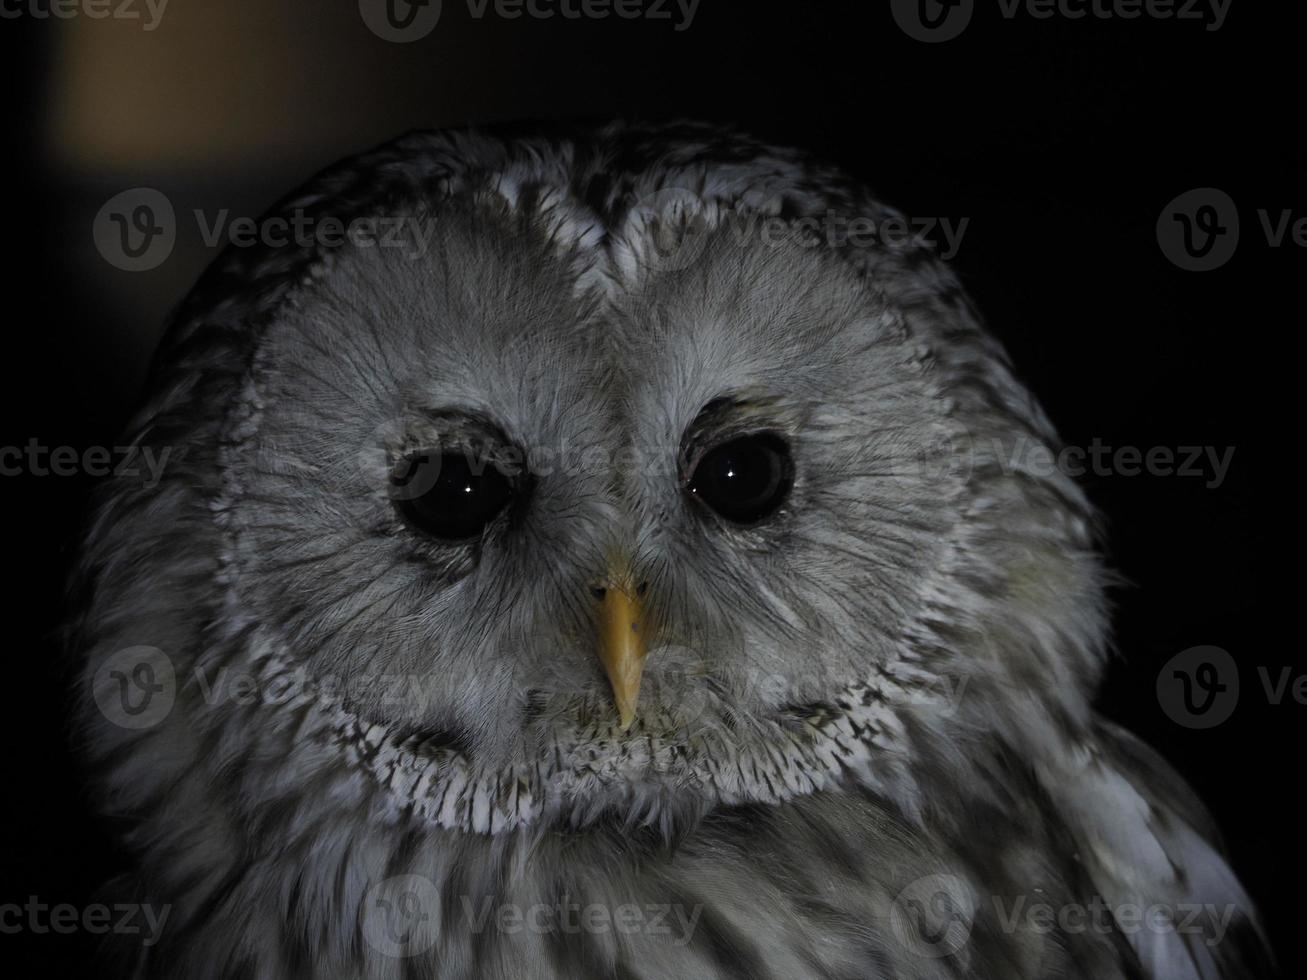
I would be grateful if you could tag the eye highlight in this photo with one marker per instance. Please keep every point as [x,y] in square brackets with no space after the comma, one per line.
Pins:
[449,495]
[745,479]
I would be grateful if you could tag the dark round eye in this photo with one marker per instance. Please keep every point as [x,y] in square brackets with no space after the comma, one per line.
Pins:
[746,479]
[449,495]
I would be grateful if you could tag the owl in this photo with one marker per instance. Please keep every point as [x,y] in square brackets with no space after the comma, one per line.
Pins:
[581,554]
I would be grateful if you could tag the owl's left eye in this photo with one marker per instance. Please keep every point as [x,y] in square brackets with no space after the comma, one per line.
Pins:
[449,495]
[746,479]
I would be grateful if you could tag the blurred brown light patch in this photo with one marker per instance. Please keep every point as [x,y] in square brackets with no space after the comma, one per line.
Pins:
[223,107]
[243,83]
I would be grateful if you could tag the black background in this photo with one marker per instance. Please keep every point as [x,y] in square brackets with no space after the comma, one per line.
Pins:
[1061,141]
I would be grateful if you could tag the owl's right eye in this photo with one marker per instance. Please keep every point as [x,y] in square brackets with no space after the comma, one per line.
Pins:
[451,496]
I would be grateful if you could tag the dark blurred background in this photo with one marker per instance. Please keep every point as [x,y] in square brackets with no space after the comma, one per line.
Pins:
[1060,140]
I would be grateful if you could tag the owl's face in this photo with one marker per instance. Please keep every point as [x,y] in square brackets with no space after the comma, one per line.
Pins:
[597,495]
[470,473]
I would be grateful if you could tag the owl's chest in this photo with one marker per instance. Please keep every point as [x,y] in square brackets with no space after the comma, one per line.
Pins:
[826,887]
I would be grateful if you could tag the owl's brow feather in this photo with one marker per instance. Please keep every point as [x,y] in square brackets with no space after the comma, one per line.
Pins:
[370,322]
[332,386]
[317,343]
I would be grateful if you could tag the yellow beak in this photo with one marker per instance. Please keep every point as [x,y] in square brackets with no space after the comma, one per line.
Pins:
[622,645]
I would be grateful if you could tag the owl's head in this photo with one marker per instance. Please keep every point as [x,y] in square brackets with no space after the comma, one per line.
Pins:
[601,473]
